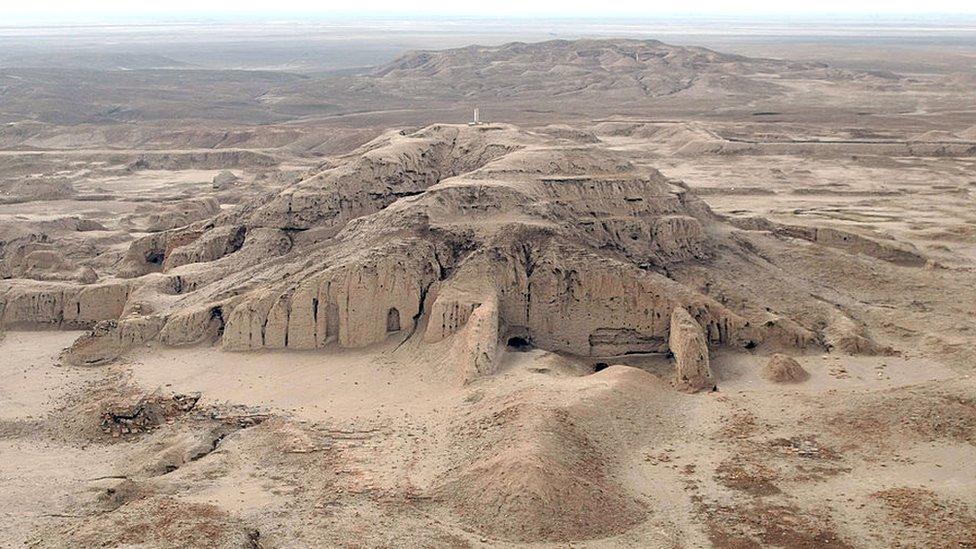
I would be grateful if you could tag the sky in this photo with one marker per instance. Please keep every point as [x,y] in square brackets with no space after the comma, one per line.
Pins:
[56,8]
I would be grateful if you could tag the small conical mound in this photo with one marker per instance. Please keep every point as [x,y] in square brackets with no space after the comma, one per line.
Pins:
[784,369]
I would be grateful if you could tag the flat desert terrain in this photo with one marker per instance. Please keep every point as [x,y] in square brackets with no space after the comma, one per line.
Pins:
[695,284]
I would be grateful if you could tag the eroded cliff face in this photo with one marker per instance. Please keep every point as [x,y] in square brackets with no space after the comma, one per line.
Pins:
[566,298]
[392,167]
[35,305]
[355,304]
[453,236]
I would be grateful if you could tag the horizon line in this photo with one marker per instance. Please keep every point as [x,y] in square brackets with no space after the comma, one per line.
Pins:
[421,14]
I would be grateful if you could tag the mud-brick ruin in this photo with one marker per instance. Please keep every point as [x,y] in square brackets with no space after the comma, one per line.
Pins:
[467,237]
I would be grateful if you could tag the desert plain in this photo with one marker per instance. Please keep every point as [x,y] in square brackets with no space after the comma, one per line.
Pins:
[678,286]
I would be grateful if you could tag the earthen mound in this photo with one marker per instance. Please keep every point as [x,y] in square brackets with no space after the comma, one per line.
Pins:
[472,234]
[539,480]
[536,470]
[783,369]
[156,522]
[225,180]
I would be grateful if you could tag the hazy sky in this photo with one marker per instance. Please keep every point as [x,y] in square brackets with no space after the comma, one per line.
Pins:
[486,7]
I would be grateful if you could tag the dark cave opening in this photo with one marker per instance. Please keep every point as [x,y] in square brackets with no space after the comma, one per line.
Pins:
[155,257]
[393,320]
[519,344]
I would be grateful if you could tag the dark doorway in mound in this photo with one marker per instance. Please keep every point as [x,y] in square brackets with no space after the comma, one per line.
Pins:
[393,320]
[600,366]
[155,257]
[519,344]
[217,319]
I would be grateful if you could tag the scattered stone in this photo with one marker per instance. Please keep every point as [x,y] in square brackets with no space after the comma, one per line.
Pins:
[145,414]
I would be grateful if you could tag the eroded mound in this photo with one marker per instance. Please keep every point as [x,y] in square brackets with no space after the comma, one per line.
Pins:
[158,522]
[783,369]
[539,465]
[538,477]
[468,233]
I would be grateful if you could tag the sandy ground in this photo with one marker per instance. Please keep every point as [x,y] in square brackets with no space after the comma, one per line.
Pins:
[926,201]
[859,455]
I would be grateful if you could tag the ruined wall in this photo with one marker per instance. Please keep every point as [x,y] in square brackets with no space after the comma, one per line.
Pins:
[348,303]
[586,304]
[566,299]
[51,265]
[690,349]
[212,245]
[473,348]
[641,216]
[203,323]
[890,250]
[46,251]
[456,299]
[109,339]
[57,305]
[464,311]
[899,253]
[148,254]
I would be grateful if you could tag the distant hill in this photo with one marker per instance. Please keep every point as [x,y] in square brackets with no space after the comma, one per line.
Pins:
[558,67]
[543,82]
[587,76]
